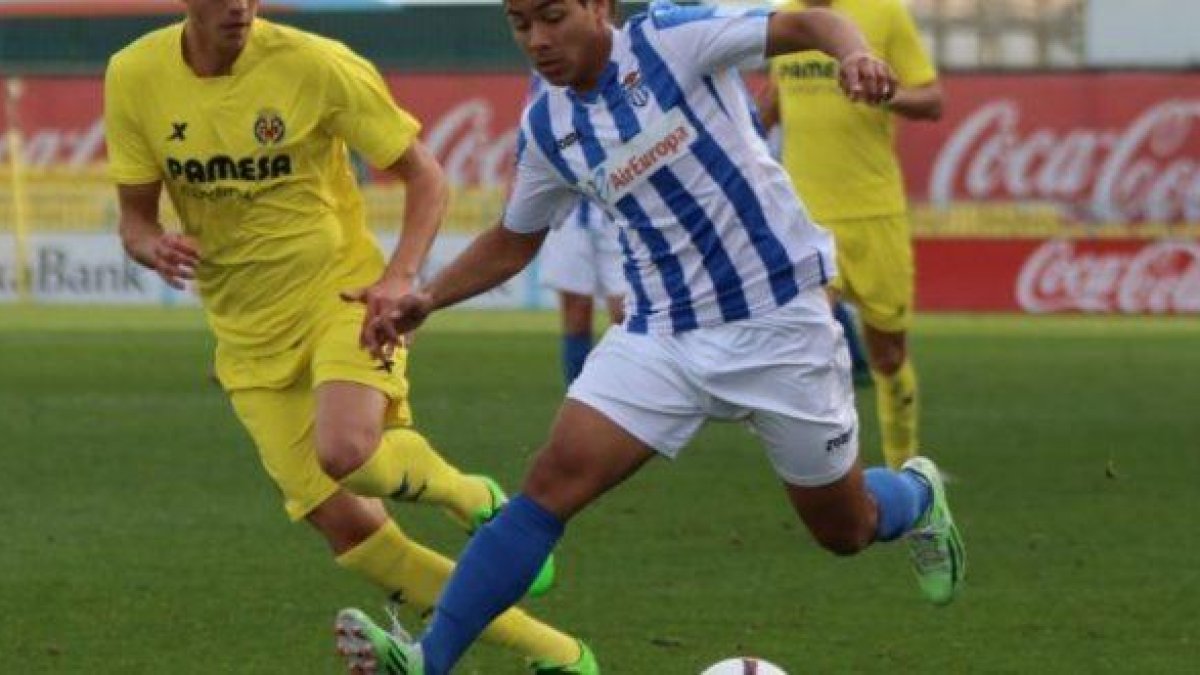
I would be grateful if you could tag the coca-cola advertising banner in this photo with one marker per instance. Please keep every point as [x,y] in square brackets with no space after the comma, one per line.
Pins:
[1093,149]
[1104,148]
[1128,276]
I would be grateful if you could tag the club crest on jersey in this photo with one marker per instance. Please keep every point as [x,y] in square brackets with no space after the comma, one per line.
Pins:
[636,91]
[596,185]
[269,128]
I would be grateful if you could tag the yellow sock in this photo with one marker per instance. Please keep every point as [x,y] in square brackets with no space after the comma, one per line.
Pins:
[896,399]
[415,575]
[405,466]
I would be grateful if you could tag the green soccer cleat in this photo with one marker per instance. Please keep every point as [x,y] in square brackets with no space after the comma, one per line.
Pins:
[934,544]
[586,665]
[371,650]
[544,580]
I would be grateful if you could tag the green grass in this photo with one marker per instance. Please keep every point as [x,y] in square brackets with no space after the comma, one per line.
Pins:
[140,536]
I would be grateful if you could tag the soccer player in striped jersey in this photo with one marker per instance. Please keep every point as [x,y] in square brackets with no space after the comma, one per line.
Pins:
[246,125]
[729,319]
[841,158]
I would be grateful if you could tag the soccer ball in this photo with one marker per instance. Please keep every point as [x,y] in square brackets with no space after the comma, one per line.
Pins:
[744,665]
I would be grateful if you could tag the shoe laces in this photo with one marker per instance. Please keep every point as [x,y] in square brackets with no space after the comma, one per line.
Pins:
[927,549]
[392,609]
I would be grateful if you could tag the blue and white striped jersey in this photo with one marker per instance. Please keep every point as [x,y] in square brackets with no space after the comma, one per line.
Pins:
[584,215]
[710,227]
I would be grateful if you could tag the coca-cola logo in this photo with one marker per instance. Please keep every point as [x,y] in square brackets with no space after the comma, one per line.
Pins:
[1160,278]
[1145,172]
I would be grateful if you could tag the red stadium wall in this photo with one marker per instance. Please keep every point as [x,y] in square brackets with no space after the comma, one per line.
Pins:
[1108,162]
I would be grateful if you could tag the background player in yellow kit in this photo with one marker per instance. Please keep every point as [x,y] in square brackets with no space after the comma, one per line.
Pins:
[840,155]
[247,124]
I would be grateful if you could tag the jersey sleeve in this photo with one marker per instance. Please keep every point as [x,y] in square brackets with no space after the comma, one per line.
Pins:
[906,54]
[361,111]
[130,158]
[540,197]
[713,38]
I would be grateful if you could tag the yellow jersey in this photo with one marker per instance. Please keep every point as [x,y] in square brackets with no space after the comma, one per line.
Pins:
[841,155]
[257,167]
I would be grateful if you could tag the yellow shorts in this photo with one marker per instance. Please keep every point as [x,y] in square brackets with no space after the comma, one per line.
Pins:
[274,399]
[875,269]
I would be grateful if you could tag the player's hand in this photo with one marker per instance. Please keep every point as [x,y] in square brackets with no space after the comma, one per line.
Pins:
[388,329]
[382,299]
[174,257]
[867,79]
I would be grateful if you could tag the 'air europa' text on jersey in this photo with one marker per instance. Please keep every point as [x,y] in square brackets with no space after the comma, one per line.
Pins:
[660,153]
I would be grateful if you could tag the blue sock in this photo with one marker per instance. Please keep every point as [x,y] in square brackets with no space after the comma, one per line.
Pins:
[857,355]
[575,349]
[492,574]
[902,497]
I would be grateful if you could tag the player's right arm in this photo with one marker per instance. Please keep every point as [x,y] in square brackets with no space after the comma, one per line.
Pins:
[172,255]
[134,169]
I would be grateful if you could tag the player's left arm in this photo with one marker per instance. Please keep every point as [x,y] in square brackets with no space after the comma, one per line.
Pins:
[922,103]
[920,95]
[863,76]
[360,110]
[426,195]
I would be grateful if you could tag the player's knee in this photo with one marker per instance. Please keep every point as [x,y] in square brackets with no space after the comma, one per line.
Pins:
[560,480]
[888,352]
[889,361]
[342,452]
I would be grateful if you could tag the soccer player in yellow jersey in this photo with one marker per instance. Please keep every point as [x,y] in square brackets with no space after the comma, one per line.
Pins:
[247,125]
[841,158]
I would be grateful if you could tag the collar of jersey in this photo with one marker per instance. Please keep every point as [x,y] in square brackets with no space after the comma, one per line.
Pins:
[607,79]
[244,60]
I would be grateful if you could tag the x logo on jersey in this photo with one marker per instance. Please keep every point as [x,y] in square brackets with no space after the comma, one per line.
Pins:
[178,129]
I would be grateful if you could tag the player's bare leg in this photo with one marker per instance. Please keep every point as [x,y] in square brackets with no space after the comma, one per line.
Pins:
[586,456]
[880,504]
[896,394]
[841,516]
[354,448]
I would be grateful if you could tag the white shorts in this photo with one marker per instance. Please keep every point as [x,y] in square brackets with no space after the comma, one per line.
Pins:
[583,259]
[786,374]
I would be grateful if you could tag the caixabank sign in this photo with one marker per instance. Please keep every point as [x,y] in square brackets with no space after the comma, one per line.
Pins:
[91,268]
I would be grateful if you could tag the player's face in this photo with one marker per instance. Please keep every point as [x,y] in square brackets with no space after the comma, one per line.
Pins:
[567,41]
[224,24]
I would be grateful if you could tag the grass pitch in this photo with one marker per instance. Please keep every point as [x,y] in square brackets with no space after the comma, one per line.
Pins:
[140,536]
